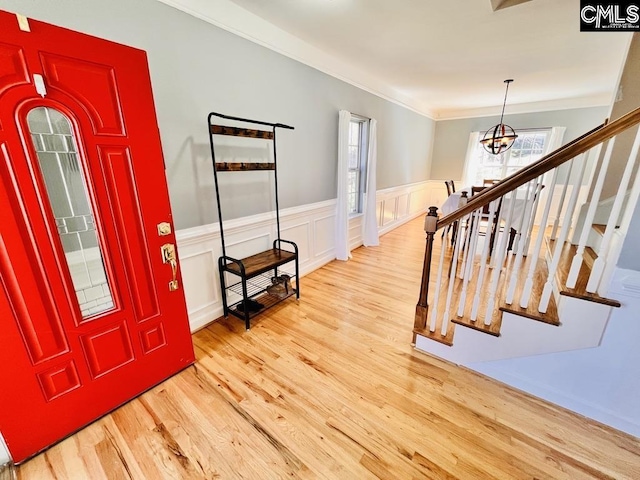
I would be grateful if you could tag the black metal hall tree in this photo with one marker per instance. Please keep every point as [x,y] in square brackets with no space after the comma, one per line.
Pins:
[256,279]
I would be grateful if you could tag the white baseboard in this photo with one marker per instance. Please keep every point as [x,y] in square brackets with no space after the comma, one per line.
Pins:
[311,226]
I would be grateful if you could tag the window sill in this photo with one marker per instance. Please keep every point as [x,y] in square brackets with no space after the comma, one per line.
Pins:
[355,215]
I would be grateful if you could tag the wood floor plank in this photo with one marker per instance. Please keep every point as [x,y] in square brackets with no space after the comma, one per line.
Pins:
[7,472]
[329,387]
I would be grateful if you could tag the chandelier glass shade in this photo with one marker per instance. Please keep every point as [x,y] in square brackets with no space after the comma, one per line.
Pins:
[499,138]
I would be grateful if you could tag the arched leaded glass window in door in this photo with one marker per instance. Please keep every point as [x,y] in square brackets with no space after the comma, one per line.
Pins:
[67,193]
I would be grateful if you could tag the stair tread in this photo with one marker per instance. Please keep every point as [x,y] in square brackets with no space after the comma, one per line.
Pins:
[496,318]
[531,312]
[478,325]
[580,290]
[436,336]
[550,317]
[599,228]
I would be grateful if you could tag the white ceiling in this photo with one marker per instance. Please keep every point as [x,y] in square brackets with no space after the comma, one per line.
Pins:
[443,58]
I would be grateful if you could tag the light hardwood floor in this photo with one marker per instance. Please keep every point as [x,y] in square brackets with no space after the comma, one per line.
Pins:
[329,387]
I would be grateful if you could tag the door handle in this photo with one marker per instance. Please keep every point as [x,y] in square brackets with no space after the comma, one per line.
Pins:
[168,251]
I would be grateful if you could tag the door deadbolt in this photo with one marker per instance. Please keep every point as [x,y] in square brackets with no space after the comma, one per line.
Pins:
[164,228]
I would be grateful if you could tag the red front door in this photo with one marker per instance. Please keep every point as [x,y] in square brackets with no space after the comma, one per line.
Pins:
[92,312]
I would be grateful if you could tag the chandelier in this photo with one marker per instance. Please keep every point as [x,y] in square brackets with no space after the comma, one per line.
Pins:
[499,139]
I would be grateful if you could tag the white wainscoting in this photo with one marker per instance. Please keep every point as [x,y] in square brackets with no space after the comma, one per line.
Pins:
[311,226]
[398,205]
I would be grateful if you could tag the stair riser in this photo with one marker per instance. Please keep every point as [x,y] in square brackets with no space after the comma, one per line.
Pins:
[594,241]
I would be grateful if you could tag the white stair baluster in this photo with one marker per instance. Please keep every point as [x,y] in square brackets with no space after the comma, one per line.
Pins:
[519,224]
[497,263]
[483,259]
[564,231]
[462,225]
[452,272]
[436,295]
[627,217]
[599,265]
[556,222]
[572,278]
[528,284]
[467,244]
[524,226]
[506,231]
[470,255]
[534,211]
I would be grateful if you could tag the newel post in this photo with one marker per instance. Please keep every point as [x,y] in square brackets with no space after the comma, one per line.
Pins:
[430,225]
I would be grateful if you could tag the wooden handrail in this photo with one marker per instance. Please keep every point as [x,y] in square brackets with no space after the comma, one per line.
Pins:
[556,158]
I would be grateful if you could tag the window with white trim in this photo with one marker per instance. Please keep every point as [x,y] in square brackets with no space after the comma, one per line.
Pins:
[358,147]
[530,146]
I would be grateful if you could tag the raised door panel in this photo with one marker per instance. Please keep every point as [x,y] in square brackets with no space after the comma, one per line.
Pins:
[23,273]
[107,349]
[59,380]
[91,84]
[152,337]
[13,68]
[123,196]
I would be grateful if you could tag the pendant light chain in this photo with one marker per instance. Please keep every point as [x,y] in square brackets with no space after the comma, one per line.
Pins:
[504,104]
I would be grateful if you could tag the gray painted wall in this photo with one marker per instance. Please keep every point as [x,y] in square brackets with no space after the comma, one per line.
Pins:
[628,99]
[196,68]
[452,136]
[630,255]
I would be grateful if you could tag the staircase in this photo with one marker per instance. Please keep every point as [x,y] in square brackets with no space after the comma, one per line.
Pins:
[482,302]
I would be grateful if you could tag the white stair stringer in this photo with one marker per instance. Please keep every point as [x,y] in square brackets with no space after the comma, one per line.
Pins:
[582,325]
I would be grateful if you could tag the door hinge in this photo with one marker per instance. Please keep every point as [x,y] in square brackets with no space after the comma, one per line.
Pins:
[41,88]
[23,23]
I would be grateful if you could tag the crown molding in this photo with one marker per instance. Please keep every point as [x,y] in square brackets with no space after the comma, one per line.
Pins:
[235,19]
[228,16]
[603,100]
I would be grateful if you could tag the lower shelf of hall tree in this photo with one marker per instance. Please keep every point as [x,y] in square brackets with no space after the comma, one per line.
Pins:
[257,284]
[264,298]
